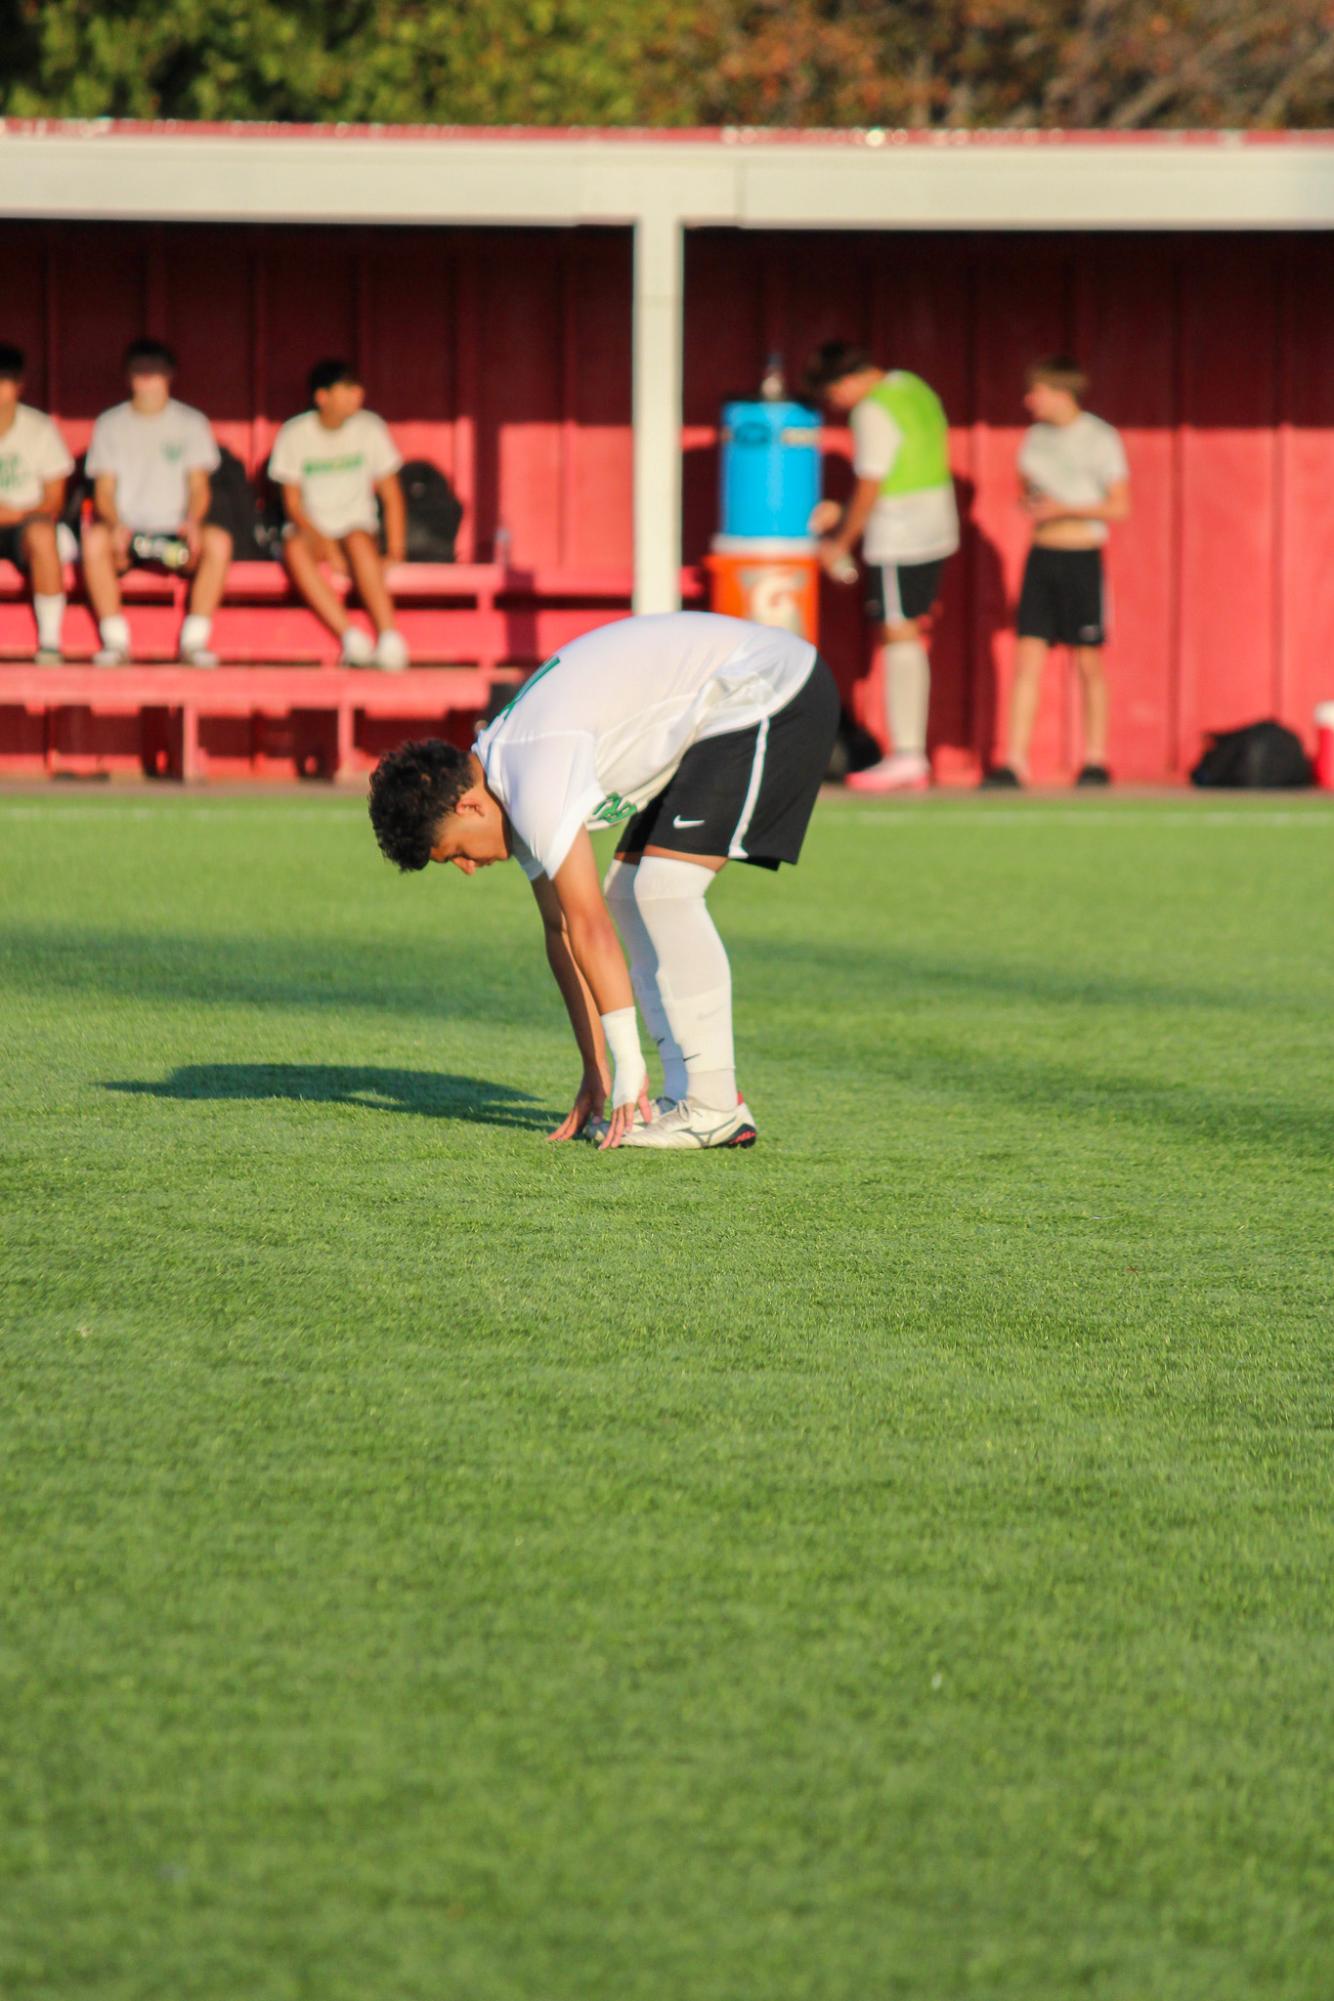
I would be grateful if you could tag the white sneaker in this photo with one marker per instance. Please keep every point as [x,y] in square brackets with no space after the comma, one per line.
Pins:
[391,652]
[198,656]
[356,650]
[596,1129]
[691,1126]
[112,656]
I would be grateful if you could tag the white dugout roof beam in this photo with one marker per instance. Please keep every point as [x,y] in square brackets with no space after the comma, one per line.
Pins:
[662,184]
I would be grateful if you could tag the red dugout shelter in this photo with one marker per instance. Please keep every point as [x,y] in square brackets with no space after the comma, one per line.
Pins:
[556,318]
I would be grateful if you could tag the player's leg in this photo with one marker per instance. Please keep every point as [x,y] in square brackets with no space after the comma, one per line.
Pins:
[1037,624]
[1093,702]
[368,574]
[206,589]
[1030,660]
[1088,632]
[619,889]
[303,553]
[903,595]
[744,797]
[101,579]
[41,556]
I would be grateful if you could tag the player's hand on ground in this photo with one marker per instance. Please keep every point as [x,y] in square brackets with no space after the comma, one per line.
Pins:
[624,1117]
[588,1104]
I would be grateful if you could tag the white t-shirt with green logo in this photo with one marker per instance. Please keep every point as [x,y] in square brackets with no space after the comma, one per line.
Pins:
[151,459]
[336,469]
[1079,463]
[32,452]
[598,731]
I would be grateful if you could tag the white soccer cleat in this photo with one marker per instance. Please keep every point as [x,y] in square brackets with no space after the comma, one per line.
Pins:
[596,1129]
[688,1127]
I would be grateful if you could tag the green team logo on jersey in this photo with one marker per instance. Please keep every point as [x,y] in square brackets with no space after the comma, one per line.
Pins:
[531,682]
[612,810]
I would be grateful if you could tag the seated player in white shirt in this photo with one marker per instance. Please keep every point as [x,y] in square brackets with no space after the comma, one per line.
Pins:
[150,459]
[709,736]
[333,463]
[1073,482]
[34,466]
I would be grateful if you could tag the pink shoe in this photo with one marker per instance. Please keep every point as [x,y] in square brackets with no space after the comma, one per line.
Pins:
[895,773]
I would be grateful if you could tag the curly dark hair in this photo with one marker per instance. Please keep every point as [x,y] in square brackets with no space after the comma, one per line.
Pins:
[830,362]
[412,789]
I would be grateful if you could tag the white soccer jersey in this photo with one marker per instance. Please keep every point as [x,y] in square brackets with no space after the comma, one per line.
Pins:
[601,728]
[32,452]
[1078,463]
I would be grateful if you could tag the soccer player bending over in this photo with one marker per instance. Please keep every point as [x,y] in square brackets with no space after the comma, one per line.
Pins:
[709,737]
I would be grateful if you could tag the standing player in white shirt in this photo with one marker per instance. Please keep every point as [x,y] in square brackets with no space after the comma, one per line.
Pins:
[150,460]
[1073,480]
[904,513]
[34,466]
[333,462]
[709,736]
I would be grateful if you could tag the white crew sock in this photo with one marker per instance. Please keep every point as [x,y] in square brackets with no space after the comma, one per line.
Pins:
[693,975]
[195,633]
[115,631]
[907,695]
[49,611]
[619,889]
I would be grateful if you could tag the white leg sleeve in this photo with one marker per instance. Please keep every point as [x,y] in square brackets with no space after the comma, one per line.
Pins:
[907,695]
[694,977]
[619,889]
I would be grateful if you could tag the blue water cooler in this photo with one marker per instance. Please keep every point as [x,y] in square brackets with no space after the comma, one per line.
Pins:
[762,564]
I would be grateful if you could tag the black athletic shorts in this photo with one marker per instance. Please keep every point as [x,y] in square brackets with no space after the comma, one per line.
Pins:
[750,794]
[1063,599]
[11,545]
[898,591]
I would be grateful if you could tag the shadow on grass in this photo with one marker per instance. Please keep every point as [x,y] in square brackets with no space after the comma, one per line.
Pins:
[430,1094]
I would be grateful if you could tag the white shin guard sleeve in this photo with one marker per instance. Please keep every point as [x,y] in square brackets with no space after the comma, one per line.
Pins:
[694,978]
[907,695]
[619,889]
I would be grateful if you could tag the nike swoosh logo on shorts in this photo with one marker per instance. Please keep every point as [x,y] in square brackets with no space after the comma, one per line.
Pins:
[679,822]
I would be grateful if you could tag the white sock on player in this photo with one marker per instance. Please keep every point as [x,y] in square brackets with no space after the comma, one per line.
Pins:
[195,633]
[49,611]
[694,978]
[115,631]
[619,889]
[907,695]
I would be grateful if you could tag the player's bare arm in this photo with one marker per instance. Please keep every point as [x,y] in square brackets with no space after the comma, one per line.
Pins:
[595,947]
[838,542]
[595,1082]
[1115,506]
[389,492]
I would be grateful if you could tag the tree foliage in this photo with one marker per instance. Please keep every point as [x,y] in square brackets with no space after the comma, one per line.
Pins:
[958,63]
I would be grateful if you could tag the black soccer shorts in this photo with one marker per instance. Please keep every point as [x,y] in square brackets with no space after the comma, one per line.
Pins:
[1064,598]
[748,795]
[899,591]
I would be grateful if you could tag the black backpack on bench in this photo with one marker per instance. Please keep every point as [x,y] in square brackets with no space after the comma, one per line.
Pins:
[1263,757]
[232,506]
[434,512]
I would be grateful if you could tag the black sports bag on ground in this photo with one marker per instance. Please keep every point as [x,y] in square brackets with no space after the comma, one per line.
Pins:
[1263,757]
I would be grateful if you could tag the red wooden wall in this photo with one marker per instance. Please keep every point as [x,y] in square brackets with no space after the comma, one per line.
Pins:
[1214,355]
[505,356]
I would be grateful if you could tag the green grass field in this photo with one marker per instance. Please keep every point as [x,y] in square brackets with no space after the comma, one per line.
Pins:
[890,1565]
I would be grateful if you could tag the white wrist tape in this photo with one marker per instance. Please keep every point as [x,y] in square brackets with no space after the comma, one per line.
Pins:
[629,1070]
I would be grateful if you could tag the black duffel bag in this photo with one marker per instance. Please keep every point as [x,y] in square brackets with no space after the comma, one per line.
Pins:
[1263,757]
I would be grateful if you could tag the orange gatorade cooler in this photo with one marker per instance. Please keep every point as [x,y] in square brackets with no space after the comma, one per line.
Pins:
[771,579]
[1324,746]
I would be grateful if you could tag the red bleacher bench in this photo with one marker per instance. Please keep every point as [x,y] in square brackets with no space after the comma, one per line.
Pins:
[281,673]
